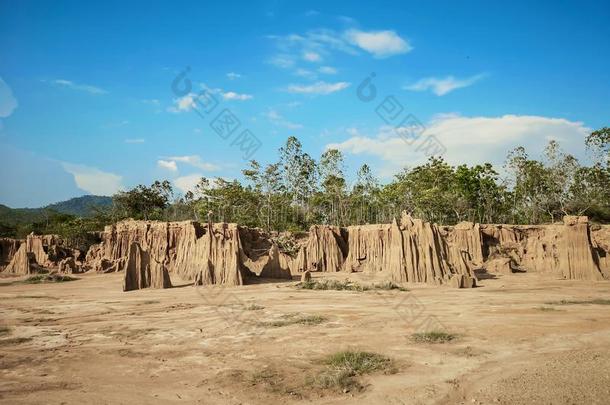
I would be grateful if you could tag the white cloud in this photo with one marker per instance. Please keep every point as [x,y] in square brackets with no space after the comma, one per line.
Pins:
[311,56]
[195,161]
[135,140]
[8,103]
[442,86]
[93,180]
[183,104]
[231,95]
[233,75]
[305,73]
[277,119]
[168,165]
[318,88]
[379,43]
[470,140]
[282,61]
[327,70]
[187,183]
[80,87]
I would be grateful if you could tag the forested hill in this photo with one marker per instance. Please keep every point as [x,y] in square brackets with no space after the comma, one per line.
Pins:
[78,206]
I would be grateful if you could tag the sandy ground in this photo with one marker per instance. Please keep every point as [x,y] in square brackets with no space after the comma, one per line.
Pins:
[88,342]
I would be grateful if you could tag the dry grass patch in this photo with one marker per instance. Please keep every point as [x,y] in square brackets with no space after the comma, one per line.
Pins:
[343,368]
[595,301]
[297,319]
[48,278]
[14,341]
[347,285]
[254,307]
[433,337]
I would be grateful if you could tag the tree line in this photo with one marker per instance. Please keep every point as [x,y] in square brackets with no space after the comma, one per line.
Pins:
[298,191]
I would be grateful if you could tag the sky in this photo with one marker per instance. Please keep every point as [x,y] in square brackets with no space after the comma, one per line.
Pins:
[97,97]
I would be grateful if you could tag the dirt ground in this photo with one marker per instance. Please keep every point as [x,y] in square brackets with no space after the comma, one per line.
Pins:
[86,341]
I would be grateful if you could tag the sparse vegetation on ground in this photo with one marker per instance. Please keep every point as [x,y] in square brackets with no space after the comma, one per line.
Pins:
[4,330]
[548,309]
[296,319]
[347,285]
[343,367]
[433,337]
[14,341]
[48,278]
[254,307]
[595,301]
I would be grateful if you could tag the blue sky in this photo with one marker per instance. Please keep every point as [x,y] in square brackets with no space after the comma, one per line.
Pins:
[86,102]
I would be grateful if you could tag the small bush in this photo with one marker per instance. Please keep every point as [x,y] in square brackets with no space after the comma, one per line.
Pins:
[4,330]
[48,278]
[343,367]
[254,307]
[432,337]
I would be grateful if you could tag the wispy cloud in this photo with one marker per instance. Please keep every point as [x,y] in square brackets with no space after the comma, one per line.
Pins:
[187,183]
[311,56]
[233,76]
[318,88]
[183,104]
[8,103]
[168,165]
[135,140]
[79,87]
[193,160]
[283,61]
[93,180]
[277,119]
[442,86]
[327,70]
[231,95]
[379,43]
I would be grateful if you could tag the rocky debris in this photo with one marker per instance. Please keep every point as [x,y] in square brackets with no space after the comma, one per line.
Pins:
[142,271]
[501,265]
[68,266]
[305,277]
[277,264]
[462,281]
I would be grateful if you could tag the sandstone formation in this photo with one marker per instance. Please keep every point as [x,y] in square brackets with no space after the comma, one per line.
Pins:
[324,250]
[22,263]
[143,271]
[8,249]
[407,250]
[306,276]
[277,264]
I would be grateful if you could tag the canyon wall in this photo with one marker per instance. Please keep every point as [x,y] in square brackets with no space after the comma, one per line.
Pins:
[407,250]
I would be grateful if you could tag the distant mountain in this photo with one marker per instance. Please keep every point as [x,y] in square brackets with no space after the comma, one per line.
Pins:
[78,206]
